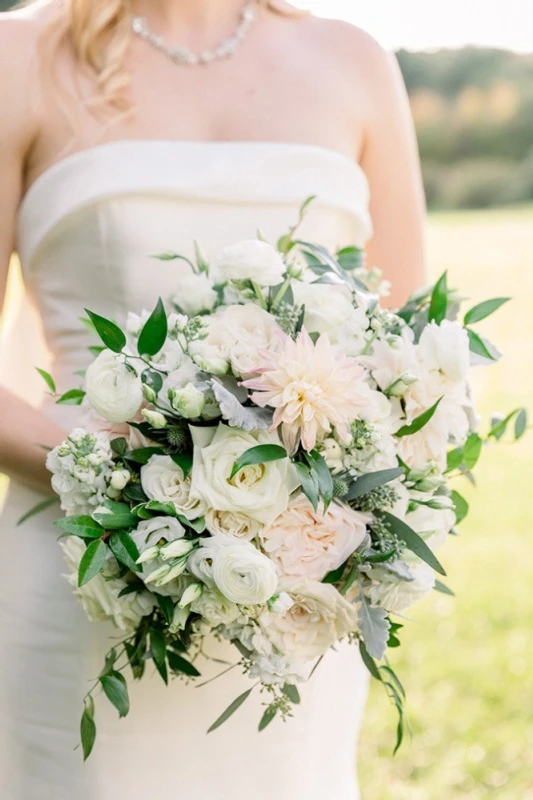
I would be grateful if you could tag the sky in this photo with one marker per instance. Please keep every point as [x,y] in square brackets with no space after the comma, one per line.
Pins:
[428,24]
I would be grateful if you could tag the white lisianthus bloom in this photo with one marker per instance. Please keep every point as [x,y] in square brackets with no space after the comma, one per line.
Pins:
[243,574]
[251,259]
[319,617]
[445,348]
[232,523]
[391,592]
[235,335]
[308,544]
[215,608]
[261,491]
[433,525]
[164,480]
[156,532]
[100,596]
[113,389]
[196,294]
[189,402]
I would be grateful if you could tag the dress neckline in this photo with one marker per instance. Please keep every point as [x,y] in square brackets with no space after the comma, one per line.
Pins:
[209,144]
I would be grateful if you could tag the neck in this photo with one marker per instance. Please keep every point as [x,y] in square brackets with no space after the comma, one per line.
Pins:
[201,16]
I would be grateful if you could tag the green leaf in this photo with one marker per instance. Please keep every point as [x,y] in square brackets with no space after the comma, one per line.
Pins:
[478,346]
[37,509]
[439,300]
[472,450]
[261,454]
[309,483]
[116,691]
[290,691]
[323,476]
[115,516]
[119,446]
[461,506]
[163,671]
[231,709]
[111,335]
[143,454]
[454,459]
[47,379]
[83,526]
[179,664]
[268,717]
[520,425]
[154,332]
[369,662]
[158,646]
[418,423]
[152,379]
[351,258]
[499,428]
[87,728]
[485,309]
[393,639]
[125,550]
[366,483]
[74,397]
[132,588]
[443,589]
[412,540]
[183,460]
[92,562]
[336,574]
[166,604]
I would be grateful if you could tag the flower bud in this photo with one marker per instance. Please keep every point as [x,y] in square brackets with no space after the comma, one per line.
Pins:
[189,402]
[181,615]
[119,479]
[149,393]
[173,572]
[112,493]
[191,593]
[215,366]
[440,503]
[155,419]
[149,554]
[176,549]
[157,574]
[280,603]
[399,386]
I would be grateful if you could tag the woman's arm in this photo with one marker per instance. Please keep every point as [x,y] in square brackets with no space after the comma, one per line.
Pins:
[22,428]
[392,165]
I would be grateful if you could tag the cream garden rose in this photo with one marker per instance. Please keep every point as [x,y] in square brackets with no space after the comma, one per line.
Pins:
[319,617]
[233,523]
[260,491]
[196,294]
[113,389]
[304,543]
[164,480]
[251,259]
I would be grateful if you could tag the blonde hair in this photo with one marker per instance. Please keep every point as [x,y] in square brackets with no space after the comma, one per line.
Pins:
[100,32]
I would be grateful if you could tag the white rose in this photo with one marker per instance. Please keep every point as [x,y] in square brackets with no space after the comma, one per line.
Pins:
[196,294]
[113,390]
[164,480]
[243,574]
[232,523]
[260,491]
[100,596]
[395,594]
[252,260]
[319,617]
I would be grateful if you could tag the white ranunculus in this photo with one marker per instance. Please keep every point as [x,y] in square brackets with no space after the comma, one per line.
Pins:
[232,523]
[251,259]
[100,596]
[260,491]
[319,617]
[446,349]
[200,563]
[196,294]
[395,594]
[433,525]
[113,390]
[243,574]
[164,480]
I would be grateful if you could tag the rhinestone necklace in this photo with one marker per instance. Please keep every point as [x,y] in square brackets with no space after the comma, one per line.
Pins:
[182,55]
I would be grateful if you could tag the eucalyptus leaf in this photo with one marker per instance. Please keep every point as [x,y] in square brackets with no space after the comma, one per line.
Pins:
[291,691]
[485,309]
[231,709]
[372,480]
[268,717]
[309,483]
[38,509]
[111,335]
[351,258]
[412,540]
[369,662]
[92,562]
[179,664]
[443,589]
[460,506]
[374,625]
[480,346]
[154,333]
[261,454]
[323,476]
[520,425]
[87,729]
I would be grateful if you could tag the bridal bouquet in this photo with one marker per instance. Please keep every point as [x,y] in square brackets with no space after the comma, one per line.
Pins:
[268,460]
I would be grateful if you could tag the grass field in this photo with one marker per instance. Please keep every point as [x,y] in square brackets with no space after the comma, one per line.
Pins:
[467,663]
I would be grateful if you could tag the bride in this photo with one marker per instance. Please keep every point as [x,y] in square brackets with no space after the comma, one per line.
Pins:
[130,127]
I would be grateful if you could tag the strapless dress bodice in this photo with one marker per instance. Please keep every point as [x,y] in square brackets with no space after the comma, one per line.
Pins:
[89,227]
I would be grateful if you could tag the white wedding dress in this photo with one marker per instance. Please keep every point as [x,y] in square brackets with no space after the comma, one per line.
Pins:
[87,230]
